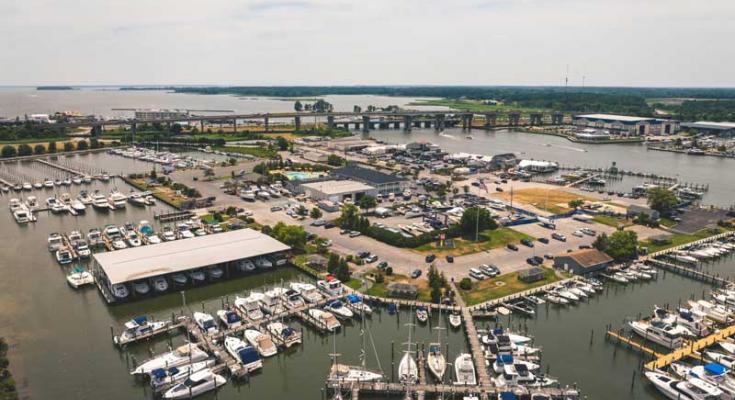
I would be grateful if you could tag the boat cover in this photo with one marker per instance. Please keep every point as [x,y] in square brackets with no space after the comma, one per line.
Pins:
[715,369]
[248,355]
[353,298]
[232,317]
[508,396]
[159,373]
[140,320]
[506,358]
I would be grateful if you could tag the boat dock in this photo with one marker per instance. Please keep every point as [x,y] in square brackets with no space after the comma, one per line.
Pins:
[58,166]
[173,216]
[691,349]
[690,272]
[479,308]
[408,303]
[478,354]
[400,389]
[620,337]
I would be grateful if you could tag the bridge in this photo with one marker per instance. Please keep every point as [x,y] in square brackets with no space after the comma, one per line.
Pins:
[404,119]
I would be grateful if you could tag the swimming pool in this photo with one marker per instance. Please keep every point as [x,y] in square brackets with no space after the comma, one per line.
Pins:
[300,175]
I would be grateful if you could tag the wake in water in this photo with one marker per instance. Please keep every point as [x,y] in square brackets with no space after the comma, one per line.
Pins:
[442,134]
[567,147]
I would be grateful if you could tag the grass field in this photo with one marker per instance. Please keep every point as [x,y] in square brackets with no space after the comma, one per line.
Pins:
[680,239]
[260,152]
[381,289]
[490,239]
[504,285]
[555,201]
[611,221]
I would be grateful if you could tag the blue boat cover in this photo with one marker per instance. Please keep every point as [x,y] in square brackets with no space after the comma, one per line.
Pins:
[506,358]
[140,320]
[686,314]
[248,355]
[498,331]
[159,373]
[715,369]
[232,317]
[392,308]
[335,304]
[146,230]
[353,298]
[173,371]
[508,396]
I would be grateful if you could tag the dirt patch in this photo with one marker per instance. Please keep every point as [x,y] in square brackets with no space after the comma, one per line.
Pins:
[550,200]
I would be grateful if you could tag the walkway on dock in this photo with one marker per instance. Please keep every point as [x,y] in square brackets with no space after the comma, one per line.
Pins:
[58,166]
[691,273]
[478,355]
[399,389]
[691,349]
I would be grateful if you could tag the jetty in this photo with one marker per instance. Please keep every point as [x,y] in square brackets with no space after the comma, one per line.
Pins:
[690,272]
[478,354]
[59,167]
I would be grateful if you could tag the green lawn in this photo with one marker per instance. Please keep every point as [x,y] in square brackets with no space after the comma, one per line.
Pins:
[667,222]
[354,283]
[260,152]
[381,289]
[680,239]
[489,239]
[611,221]
[503,285]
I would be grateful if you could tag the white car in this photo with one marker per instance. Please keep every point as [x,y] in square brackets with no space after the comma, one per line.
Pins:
[578,233]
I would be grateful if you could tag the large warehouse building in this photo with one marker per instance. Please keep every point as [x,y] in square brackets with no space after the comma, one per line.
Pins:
[382,182]
[624,125]
[184,261]
[336,191]
[723,129]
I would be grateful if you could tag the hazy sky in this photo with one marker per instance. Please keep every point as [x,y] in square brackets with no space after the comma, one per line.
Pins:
[335,42]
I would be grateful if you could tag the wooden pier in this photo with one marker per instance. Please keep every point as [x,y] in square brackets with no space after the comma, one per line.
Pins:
[690,272]
[691,349]
[60,167]
[173,216]
[628,340]
[478,354]
[483,391]
[500,300]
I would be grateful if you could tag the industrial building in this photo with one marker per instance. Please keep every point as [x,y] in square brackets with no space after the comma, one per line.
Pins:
[723,129]
[173,260]
[337,190]
[383,183]
[582,262]
[624,125]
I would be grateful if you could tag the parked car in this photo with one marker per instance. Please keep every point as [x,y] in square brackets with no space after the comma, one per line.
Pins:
[344,231]
[383,265]
[355,234]
[489,270]
[527,242]
[585,246]
[371,258]
[319,222]
[363,254]
[559,237]
[532,261]
[430,258]
[578,233]
[450,259]
[543,240]
[416,273]
[548,256]
[538,259]
[329,225]
[588,231]
[276,208]
[513,247]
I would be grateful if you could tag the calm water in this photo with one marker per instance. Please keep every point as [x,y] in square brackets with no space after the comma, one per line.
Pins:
[719,173]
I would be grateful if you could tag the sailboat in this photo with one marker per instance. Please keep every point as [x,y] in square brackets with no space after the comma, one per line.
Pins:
[354,373]
[435,359]
[408,371]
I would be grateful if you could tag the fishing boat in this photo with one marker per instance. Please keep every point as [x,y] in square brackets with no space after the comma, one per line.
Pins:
[261,342]
[182,355]
[307,291]
[326,318]
[244,354]
[464,370]
[205,322]
[669,336]
[338,309]
[674,389]
[229,318]
[196,384]
[250,306]
[455,319]
[284,334]
[79,277]
[139,326]
[160,284]
[166,377]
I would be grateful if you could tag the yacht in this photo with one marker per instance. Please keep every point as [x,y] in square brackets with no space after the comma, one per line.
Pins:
[31,202]
[168,234]
[113,235]
[284,334]
[715,312]
[197,383]
[23,216]
[338,309]
[167,377]
[205,322]
[698,326]
[246,355]
[507,359]
[271,301]
[519,375]
[184,231]
[261,342]
[78,206]
[713,373]
[141,287]
[357,303]
[160,284]
[464,370]
[85,198]
[724,359]
[292,299]
[139,326]
[436,361]
[117,200]
[120,291]
[82,248]
[669,336]
[79,277]
[332,286]
[229,318]
[132,238]
[307,291]
[455,319]
[326,318]
[250,306]
[99,202]
[692,389]
[63,256]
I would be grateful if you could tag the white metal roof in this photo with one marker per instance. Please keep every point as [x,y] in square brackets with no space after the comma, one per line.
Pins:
[611,117]
[338,187]
[716,125]
[181,255]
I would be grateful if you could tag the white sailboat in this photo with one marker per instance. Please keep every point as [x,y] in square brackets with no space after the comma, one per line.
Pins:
[464,370]
[198,383]
[185,354]
[435,359]
[408,371]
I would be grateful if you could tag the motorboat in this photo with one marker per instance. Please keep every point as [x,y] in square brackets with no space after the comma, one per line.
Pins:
[137,200]
[160,284]
[455,319]
[141,287]
[86,179]
[669,336]
[64,256]
[230,319]
[215,272]
[357,303]
[146,230]
[246,266]
[139,326]
[31,202]
[408,371]
[15,204]
[179,279]
[205,322]
[292,299]
[464,370]
[196,384]
[307,291]
[331,286]
[167,377]
[519,375]
[23,216]
[250,306]
[727,346]
[131,237]
[99,202]
[66,181]
[715,312]
[556,299]
[713,373]
[243,353]
[197,276]
[78,206]
[82,248]
[184,231]
[619,277]
[436,361]
[168,234]
[79,277]
[48,183]
[422,314]
[698,326]
[338,309]
[694,388]
[263,263]
[120,291]
[262,342]
[507,359]
[326,318]
[721,358]
[27,186]
[284,334]
[271,302]
[38,185]
[113,234]
[117,200]
[566,294]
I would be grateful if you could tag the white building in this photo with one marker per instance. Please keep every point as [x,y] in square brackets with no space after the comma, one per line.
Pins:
[42,118]
[337,190]
[538,166]
[148,114]
[625,125]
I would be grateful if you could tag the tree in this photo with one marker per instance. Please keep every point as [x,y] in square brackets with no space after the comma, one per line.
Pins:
[576,203]
[302,211]
[292,235]
[282,143]
[297,106]
[343,271]
[51,148]
[24,150]
[620,245]
[349,218]
[466,189]
[176,128]
[94,143]
[367,202]
[475,220]
[356,109]
[465,284]
[39,149]
[662,200]
[68,146]
[8,151]
[335,160]
[332,263]
[82,145]
[315,213]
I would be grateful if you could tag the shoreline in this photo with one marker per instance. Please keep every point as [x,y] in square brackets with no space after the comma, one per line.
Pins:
[687,153]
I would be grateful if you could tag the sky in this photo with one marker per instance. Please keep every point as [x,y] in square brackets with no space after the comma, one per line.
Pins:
[368,42]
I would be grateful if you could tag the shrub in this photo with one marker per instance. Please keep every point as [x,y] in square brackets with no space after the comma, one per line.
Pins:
[379,278]
[389,271]
[465,284]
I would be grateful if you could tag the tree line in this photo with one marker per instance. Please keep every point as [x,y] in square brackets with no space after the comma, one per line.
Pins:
[50,148]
